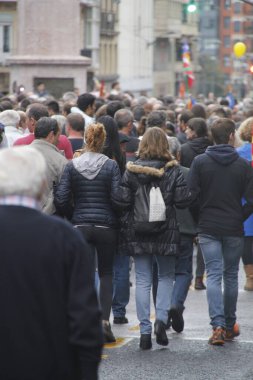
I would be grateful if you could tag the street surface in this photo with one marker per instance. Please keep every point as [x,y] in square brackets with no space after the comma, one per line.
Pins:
[188,355]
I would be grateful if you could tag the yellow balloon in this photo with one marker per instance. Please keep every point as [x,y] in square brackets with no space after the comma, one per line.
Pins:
[240,49]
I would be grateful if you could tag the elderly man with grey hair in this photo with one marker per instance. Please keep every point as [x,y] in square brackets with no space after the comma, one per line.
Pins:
[49,321]
[157,119]
[124,119]
[10,119]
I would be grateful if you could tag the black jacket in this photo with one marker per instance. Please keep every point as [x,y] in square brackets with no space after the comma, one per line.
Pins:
[175,193]
[50,325]
[193,148]
[219,179]
[186,222]
[92,198]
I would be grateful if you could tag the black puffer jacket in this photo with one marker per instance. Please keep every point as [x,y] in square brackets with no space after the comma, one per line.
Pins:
[193,148]
[175,193]
[91,200]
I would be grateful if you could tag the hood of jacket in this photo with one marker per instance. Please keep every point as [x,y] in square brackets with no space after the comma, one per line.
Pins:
[199,144]
[245,151]
[89,164]
[148,171]
[223,154]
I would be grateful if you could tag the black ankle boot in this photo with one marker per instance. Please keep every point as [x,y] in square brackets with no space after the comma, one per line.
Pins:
[177,320]
[145,342]
[108,334]
[160,332]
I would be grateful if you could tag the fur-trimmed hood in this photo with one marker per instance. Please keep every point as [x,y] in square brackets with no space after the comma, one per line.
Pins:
[157,170]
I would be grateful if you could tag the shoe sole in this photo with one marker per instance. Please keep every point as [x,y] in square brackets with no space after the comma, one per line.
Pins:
[119,323]
[146,348]
[232,338]
[217,343]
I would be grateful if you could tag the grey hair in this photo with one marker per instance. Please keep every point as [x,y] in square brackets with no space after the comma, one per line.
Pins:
[22,172]
[122,117]
[61,121]
[174,146]
[156,119]
[10,118]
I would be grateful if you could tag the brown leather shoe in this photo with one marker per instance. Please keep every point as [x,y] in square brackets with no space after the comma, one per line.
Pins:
[218,336]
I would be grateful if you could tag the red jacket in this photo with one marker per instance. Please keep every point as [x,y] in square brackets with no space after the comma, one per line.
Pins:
[64,144]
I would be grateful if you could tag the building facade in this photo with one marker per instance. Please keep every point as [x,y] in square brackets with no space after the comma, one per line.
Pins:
[138,43]
[108,67]
[173,26]
[236,22]
[135,46]
[8,40]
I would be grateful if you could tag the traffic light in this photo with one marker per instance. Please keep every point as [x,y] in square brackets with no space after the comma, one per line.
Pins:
[191,6]
[251,69]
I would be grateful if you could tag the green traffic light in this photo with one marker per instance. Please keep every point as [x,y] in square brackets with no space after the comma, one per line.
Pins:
[191,7]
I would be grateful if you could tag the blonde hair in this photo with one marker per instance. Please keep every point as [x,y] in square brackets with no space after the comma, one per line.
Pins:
[154,144]
[245,130]
[95,136]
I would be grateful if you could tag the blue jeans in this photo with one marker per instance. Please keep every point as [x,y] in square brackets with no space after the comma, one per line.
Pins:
[121,292]
[166,275]
[222,256]
[183,272]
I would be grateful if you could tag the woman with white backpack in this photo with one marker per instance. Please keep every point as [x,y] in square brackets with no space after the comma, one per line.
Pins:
[150,188]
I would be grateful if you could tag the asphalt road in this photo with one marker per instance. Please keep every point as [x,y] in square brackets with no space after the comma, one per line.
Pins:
[188,355]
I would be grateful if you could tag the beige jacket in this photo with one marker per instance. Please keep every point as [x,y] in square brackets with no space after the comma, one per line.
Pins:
[56,163]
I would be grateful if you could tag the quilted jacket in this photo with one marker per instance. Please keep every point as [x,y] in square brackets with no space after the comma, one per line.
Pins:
[171,181]
[89,201]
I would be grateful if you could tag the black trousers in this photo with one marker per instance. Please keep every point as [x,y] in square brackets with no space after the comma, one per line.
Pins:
[103,241]
[247,255]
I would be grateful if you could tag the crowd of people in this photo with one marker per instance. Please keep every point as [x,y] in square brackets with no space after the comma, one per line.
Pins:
[96,163]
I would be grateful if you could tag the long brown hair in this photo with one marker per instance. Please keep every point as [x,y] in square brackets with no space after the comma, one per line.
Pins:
[154,144]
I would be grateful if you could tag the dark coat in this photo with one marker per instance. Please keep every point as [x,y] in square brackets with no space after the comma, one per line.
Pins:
[219,179]
[193,148]
[49,320]
[175,193]
[92,199]
[186,222]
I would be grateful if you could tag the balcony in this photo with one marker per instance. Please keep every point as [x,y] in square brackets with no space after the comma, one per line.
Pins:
[108,24]
[90,3]
[86,53]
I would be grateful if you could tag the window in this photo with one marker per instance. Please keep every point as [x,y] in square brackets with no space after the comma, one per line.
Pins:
[178,50]
[6,38]
[237,26]
[184,14]
[226,60]
[107,22]
[208,23]
[226,22]
[237,8]
[161,54]
[227,4]
[227,42]
[88,26]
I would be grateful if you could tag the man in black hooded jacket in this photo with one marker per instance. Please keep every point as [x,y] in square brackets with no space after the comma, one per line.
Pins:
[219,179]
